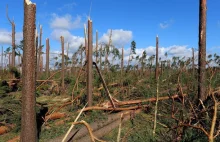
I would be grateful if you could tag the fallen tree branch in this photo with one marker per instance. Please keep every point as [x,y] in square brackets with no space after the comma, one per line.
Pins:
[71,127]
[93,138]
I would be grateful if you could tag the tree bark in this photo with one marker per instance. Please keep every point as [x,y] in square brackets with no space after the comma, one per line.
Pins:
[202,51]
[28,119]
[12,64]
[39,53]
[47,56]
[89,64]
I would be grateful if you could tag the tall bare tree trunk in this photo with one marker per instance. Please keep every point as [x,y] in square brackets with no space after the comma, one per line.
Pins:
[39,53]
[89,64]
[157,64]
[100,58]
[47,56]
[97,43]
[13,38]
[62,73]
[86,42]
[67,54]
[202,50]
[28,119]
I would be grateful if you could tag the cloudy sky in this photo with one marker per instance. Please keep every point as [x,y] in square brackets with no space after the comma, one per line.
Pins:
[174,21]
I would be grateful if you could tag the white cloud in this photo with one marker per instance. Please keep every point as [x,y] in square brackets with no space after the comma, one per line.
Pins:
[174,50]
[5,36]
[166,24]
[68,6]
[65,22]
[74,41]
[120,37]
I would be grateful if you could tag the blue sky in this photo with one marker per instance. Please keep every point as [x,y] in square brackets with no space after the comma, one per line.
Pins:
[175,21]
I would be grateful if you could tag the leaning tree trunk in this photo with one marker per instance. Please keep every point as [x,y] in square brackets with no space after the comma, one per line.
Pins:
[202,50]
[28,118]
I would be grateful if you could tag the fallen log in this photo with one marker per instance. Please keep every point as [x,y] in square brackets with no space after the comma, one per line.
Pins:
[4,129]
[54,116]
[115,109]
[130,102]
[15,139]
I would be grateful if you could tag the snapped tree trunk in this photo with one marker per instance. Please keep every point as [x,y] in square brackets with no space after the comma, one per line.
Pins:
[157,69]
[47,56]
[28,118]
[89,64]
[39,53]
[202,50]
[13,39]
[62,73]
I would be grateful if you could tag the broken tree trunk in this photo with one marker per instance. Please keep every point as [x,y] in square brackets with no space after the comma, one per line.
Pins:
[202,51]
[105,86]
[100,58]
[39,53]
[28,118]
[13,38]
[130,102]
[63,71]
[89,64]
[47,56]
[157,64]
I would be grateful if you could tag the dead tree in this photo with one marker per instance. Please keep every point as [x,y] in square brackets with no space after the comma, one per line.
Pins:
[47,56]
[63,73]
[157,64]
[89,64]
[100,58]
[13,38]
[39,53]
[86,42]
[28,118]
[202,50]
[67,54]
